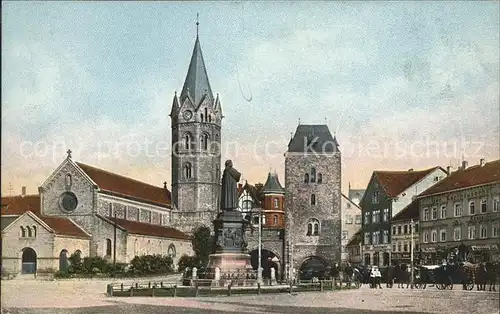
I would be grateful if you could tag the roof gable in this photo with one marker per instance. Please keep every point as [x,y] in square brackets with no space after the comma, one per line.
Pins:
[411,211]
[122,186]
[18,205]
[67,161]
[396,182]
[313,139]
[472,176]
[33,217]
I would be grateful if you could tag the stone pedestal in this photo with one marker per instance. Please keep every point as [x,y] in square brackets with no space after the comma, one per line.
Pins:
[231,257]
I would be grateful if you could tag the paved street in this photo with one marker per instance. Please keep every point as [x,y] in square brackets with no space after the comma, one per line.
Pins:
[88,297]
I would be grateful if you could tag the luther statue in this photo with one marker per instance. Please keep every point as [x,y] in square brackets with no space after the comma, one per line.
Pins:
[229,191]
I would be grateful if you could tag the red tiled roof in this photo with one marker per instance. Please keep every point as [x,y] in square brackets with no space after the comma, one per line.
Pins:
[395,182]
[126,187]
[142,228]
[472,176]
[18,205]
[407,213]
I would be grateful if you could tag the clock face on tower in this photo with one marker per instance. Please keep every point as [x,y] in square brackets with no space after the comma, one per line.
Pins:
[187,115]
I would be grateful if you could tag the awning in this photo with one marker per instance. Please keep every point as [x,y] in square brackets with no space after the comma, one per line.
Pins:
[485,247]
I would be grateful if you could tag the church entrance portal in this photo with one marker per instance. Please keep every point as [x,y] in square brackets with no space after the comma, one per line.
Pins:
[313,267]
[268,260]
[28,261]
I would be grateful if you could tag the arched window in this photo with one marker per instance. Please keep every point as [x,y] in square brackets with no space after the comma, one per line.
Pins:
[201,116]
[247,205]
[313,227]
[136,248]
[110,210]
[204,141]
[68,180]
[320,178]
[108,247]
[206,114]
[209,118]
[34,231]
[376,258]
[138,215]
[187,141]
[275,220]
[313,199]
[23,232]
[313,174]
[275,203]
[187,170]
[29,232]
[171,251]
[306,178]
[148,247]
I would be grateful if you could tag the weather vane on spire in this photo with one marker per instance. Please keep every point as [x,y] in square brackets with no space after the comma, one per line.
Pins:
[197,22]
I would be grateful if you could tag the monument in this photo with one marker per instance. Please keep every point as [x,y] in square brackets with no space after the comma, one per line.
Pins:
[230,260]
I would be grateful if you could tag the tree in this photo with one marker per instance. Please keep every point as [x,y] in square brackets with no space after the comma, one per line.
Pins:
[203,245]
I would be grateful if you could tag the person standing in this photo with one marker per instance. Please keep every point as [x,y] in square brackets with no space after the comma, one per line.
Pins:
[378,278]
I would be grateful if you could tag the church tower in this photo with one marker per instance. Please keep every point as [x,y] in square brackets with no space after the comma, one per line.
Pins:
[196,158]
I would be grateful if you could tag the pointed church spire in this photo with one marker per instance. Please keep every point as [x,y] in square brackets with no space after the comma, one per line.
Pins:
[196,84]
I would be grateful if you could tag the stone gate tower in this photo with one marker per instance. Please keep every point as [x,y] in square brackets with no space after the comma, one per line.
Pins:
[196,136]
[313,197]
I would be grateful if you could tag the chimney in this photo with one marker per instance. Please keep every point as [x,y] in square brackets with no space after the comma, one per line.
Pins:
[481,162]
[448,170]
[411,169]
[165,185]
[23,191]
[464,164]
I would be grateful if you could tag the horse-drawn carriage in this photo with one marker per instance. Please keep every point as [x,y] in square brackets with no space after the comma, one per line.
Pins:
[438,275]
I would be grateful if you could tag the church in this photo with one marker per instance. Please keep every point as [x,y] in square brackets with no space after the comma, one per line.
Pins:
[81,208]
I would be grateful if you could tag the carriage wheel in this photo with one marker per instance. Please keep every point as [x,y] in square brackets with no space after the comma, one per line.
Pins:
[357,284]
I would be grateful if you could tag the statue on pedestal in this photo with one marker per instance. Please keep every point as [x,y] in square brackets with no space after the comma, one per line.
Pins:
[229,190]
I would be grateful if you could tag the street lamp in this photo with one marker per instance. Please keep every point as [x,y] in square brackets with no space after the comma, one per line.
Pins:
[411,253]
[259,267]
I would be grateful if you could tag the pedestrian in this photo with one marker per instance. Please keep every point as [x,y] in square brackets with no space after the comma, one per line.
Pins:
[378,278]
[390,276]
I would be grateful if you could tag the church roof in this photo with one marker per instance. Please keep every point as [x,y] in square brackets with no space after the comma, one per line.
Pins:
[142,228]
[272,184]
[19,205]
[313,138]
[196,83]
[121,186]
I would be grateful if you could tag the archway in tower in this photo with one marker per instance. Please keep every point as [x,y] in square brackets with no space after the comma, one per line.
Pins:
[312,267]
[268,260]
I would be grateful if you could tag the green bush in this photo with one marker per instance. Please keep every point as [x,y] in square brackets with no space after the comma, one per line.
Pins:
[62,274]
[187,261]
[151,264]
[94,264]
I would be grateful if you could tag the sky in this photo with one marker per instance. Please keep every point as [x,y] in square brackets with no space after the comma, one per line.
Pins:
[401,84]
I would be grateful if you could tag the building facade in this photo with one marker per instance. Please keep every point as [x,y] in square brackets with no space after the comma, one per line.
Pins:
[401,235]
[463,209]
[313,199]
[80,208]
[351,224]
[196,117]
[387,193]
